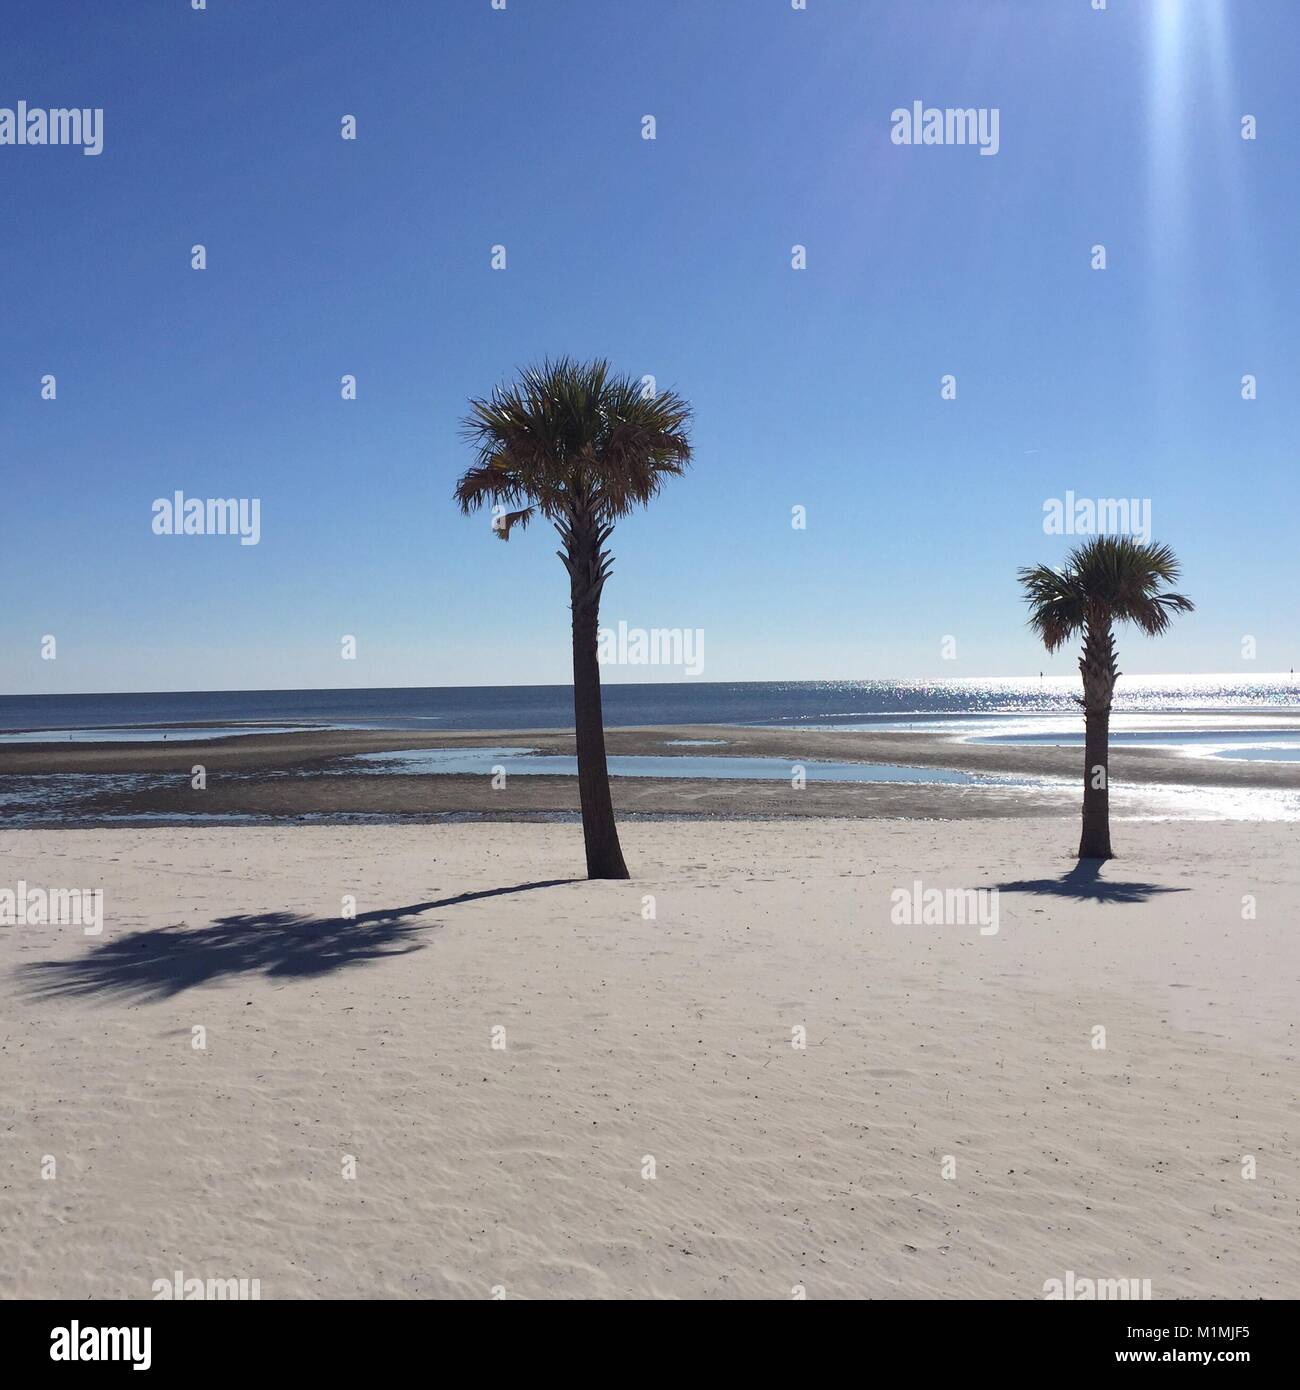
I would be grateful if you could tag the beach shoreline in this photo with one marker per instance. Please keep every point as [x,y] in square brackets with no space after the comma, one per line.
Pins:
[319,774]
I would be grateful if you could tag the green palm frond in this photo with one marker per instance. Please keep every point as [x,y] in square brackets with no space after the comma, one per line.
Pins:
[572,441]
[1108,579]
[1057,609]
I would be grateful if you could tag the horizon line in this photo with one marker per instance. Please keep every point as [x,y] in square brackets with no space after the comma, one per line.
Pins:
[568,685]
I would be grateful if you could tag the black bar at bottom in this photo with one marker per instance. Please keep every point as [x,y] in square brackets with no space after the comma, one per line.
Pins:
[338,1338]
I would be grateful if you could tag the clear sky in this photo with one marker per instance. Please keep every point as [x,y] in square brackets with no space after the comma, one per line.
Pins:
[817,388]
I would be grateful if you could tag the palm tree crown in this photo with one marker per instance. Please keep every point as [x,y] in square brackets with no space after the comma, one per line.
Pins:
[1108,579]
[574,442]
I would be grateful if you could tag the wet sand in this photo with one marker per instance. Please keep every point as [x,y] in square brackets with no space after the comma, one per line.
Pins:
[307,774]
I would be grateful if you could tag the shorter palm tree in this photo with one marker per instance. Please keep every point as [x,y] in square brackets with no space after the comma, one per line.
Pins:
[581,447]
[1108,580]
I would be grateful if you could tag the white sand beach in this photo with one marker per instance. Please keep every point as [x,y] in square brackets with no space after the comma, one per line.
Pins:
[627,1038]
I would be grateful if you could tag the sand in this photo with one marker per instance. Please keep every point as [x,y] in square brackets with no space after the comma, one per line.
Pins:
[523,1169]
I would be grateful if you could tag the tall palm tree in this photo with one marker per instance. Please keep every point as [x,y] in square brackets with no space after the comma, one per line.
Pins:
[581,447]
[1109,580]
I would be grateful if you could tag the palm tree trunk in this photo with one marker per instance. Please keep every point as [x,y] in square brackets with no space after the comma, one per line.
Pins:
[1094,843]
[1099,671]
[599,831]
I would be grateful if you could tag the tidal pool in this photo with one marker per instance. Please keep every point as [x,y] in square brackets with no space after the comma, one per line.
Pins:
[524,762]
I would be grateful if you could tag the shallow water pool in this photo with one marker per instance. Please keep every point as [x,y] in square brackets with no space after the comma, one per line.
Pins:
[145,734]
[1254,745]
[524,762]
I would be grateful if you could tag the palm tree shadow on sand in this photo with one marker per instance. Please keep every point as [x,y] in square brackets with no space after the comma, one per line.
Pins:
[1085,883]
[149,966]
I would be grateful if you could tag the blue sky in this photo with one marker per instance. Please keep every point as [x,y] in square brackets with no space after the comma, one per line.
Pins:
[818,388]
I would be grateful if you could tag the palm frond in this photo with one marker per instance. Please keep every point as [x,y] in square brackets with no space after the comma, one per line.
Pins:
[1108,579]
[503,525]
[570,440]
[1056,607]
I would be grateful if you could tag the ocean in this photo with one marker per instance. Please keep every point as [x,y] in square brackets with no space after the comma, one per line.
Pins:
[813,704]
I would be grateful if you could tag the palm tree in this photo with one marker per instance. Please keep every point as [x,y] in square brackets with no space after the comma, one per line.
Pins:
[1111,579]
[582,447]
